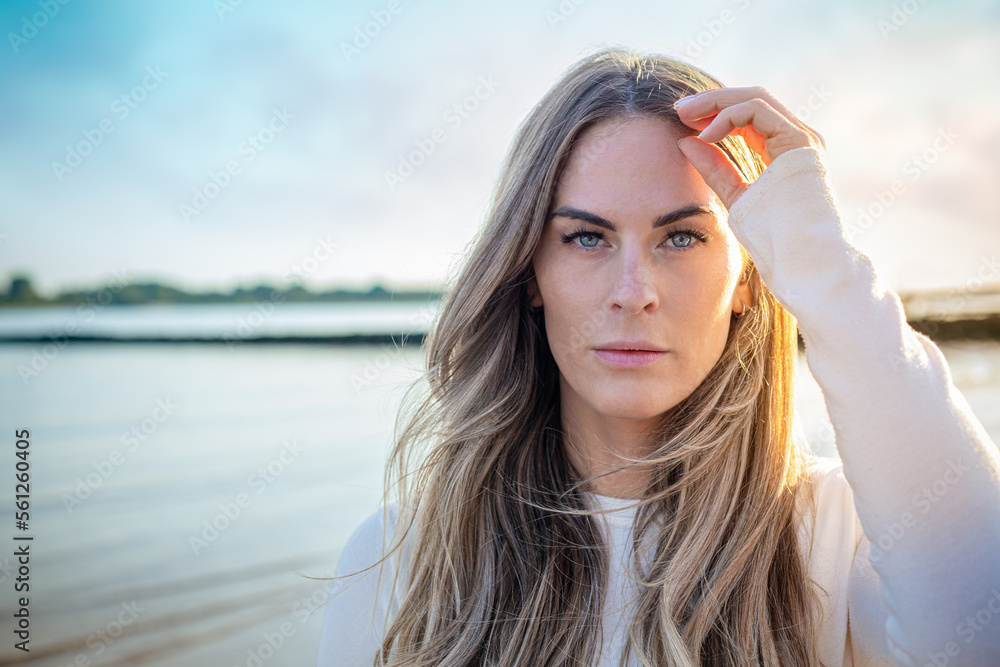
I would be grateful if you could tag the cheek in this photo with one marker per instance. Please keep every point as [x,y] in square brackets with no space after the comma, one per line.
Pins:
[572,309]
[707,319]
[704,299]
[574,305]
[697,314]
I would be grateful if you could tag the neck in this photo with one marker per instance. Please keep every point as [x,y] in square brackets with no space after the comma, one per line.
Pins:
[595,444]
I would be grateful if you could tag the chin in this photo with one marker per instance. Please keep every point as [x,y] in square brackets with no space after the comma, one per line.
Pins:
[631,406]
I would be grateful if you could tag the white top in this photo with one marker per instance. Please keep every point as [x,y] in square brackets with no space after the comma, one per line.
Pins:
[918,475]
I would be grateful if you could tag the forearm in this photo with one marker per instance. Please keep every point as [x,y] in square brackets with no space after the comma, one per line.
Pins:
[925,475]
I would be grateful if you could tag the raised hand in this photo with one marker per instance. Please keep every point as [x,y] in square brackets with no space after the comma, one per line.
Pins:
[765,124]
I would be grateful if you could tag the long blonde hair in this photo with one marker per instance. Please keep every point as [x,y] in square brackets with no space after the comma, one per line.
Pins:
[507,565]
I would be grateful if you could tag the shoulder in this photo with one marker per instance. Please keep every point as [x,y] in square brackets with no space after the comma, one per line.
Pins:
[370,540]
[832,516]
[362,599]
[836,551]
[827,475]
[829,536]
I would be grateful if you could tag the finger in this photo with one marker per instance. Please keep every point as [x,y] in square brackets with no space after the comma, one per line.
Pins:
[709,103]
[778,133]
[712,101]
[701,123]
[754,113]
[715,168]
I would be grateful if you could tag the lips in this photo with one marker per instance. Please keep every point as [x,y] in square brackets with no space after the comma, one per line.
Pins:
[626,353]
[632,345]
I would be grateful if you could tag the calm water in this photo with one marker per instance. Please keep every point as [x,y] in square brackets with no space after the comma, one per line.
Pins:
[297,434]
[266,318]
[284,427]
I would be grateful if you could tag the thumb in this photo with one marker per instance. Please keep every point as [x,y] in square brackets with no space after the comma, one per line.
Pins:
[715,167]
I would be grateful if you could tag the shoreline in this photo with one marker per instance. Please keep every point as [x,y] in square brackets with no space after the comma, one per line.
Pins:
[979,328]
[350,339]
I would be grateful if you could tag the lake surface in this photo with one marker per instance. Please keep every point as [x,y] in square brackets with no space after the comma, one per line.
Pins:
[231,320]
[137,450]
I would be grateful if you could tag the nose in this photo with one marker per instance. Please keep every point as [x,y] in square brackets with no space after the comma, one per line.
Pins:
[634,288]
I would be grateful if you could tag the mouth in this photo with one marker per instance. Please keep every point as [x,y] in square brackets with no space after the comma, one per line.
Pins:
[629,357]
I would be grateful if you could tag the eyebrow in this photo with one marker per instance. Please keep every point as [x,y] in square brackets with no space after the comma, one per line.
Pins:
[665,219]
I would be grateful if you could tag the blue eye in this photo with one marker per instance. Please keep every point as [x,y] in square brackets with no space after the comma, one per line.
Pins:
[692,235]
[591,240]
[596,238]
[683,235]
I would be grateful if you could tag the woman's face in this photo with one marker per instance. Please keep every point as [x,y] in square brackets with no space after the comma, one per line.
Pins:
[668,287]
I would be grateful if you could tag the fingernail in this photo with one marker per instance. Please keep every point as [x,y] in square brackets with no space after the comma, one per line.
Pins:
[683,100]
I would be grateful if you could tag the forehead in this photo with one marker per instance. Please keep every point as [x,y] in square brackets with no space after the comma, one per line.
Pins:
[631,164]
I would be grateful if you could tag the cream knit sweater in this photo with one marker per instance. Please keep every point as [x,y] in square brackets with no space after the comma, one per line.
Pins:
[906,538]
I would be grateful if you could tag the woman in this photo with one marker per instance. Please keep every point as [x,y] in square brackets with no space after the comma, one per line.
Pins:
[601,469]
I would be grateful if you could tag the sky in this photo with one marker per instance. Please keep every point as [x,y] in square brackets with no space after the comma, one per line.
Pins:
[211,145]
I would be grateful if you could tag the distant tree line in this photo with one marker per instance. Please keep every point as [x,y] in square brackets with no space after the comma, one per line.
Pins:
[21,293]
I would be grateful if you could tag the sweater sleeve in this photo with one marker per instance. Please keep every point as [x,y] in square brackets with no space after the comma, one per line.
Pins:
[355,616]
[924,473]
